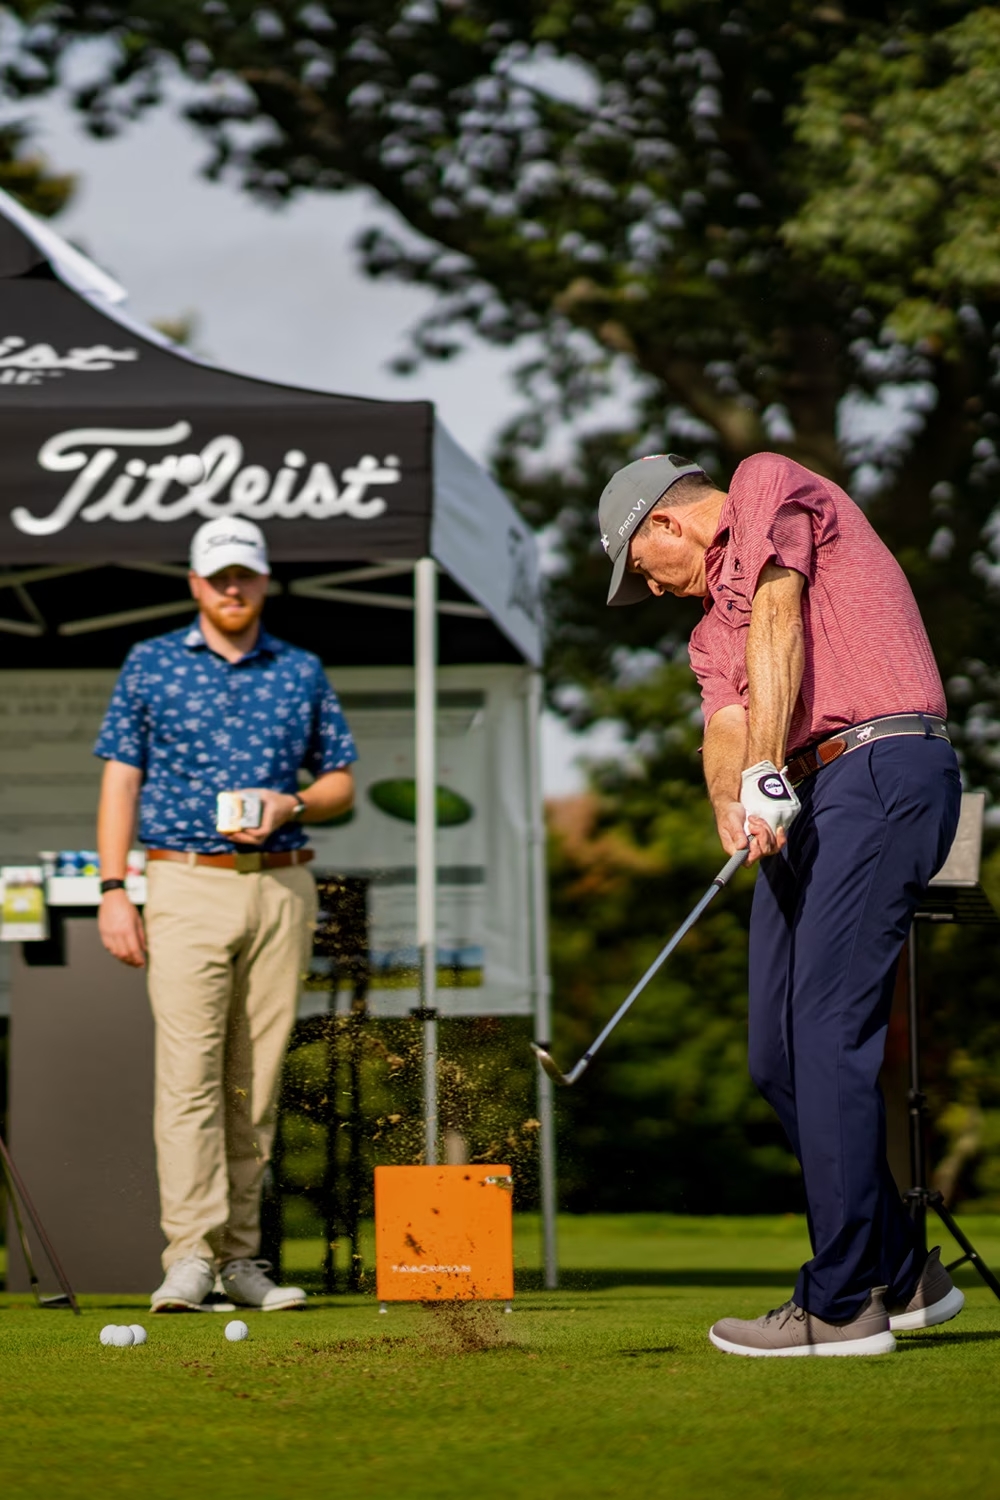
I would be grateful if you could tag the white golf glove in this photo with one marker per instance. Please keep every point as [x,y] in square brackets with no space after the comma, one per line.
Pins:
[767,794]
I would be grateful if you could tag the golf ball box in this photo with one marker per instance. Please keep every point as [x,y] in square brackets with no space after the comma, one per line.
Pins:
[237,811]
[444,1234]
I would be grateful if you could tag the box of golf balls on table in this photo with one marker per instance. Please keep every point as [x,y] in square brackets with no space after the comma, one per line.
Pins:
[61,878]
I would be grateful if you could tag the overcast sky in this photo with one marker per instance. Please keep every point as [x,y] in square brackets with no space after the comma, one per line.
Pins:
[274,293]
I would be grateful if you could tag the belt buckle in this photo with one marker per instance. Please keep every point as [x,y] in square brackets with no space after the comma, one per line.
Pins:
[250,863]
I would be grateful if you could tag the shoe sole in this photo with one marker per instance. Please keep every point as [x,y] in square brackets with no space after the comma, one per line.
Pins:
[175,1305]
[293,1305]
[928,1317]
[876,1343]
[297,1306]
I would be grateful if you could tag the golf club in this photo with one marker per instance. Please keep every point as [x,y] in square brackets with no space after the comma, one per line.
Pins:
[545,1060]
[17,1190]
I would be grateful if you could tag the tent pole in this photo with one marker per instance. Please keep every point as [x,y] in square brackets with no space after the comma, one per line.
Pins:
[425,657]
[541,979]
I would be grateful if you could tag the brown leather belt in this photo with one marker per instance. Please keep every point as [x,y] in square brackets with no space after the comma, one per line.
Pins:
[249,862]
[815,757]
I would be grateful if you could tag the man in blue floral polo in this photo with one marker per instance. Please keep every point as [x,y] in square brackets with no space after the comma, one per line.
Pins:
[218,706]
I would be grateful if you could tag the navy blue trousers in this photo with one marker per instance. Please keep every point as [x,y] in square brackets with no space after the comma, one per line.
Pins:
[830,915]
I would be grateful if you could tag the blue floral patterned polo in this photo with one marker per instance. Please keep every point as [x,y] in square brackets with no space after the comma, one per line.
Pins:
[196,724]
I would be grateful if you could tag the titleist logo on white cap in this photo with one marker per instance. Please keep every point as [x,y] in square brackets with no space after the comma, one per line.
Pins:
[228,541]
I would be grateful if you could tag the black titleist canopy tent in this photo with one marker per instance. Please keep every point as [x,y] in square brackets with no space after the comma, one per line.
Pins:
[115,446]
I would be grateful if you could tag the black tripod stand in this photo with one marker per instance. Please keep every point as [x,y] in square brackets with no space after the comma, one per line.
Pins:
[920,1197]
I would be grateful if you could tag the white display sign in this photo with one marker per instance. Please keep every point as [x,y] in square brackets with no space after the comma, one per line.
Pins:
[483,879]
[49,784]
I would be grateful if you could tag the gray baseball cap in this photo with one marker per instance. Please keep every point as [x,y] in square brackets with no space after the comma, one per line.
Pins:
[628,498]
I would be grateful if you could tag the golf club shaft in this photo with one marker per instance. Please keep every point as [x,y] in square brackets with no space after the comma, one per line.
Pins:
[18,1190]
[723,878]
[19,1226]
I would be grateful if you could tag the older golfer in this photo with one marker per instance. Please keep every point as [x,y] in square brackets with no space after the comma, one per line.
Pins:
[218,706]
[826,750]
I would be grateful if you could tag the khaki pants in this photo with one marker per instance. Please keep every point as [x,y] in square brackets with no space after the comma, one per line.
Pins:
[226,952]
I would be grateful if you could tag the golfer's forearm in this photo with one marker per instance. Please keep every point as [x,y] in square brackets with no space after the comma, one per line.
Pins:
[775,660]
[724,755]
[116,817]
[328,796]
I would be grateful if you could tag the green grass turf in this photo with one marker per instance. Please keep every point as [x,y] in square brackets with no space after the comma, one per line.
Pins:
[608,1387]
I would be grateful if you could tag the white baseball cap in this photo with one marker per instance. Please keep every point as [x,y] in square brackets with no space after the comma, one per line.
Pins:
[228,542]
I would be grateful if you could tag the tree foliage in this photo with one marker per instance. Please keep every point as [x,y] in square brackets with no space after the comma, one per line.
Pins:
[778,220]
[26,176]
[909,138]
[776,226]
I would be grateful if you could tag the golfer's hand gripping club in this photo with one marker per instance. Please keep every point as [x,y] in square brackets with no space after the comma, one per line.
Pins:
[768,794]
[723,878]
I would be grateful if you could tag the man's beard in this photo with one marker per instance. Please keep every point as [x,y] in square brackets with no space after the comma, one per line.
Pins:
[232,622]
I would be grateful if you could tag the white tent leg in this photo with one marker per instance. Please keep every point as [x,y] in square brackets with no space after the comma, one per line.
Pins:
[430,1089]
[425,658]
[542,980]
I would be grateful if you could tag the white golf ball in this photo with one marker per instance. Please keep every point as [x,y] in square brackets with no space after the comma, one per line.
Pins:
[138,1333]
[108,1333]
[123,1338]
[236,1331]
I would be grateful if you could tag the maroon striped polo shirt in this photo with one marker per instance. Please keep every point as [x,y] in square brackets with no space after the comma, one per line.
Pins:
[866,649]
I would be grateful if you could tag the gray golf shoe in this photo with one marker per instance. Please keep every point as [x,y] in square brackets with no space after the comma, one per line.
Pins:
[248,1284]
[935,1299]
[790,1330]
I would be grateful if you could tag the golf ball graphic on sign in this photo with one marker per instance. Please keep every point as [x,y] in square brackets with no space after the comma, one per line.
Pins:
[397,797]
[190,469]
[236,1331]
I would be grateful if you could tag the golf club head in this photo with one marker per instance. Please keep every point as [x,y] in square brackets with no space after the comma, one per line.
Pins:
[547,1062]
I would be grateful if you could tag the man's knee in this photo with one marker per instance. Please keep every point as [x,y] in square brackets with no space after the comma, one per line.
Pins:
[768,1066]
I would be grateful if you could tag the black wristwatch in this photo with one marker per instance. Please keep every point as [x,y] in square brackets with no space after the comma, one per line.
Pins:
[111,885]
[299,808]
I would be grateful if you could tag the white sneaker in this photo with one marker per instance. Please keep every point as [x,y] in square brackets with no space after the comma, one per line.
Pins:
[247,1283]
[186,1286]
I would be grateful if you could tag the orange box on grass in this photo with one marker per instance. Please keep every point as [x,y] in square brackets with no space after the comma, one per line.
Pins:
[444,1233]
